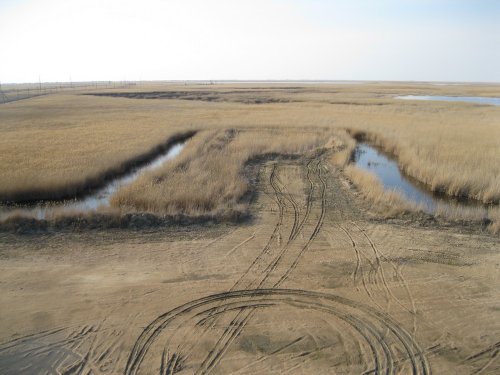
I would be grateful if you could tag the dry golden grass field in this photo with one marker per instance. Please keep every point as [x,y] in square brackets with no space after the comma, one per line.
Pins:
[302,264]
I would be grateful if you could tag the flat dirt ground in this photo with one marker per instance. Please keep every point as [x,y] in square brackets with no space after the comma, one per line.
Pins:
[312,285]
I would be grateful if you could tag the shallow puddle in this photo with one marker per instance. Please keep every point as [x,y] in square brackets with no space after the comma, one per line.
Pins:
[467,99]
[370,159]
[99,199]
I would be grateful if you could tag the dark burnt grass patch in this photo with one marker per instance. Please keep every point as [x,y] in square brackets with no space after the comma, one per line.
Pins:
[245,97]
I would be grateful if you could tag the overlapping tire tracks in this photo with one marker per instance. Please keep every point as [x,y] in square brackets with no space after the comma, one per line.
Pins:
[257,289]
[88,349]
[382,349]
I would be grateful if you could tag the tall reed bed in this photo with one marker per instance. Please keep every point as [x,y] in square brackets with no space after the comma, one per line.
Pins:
[207,177]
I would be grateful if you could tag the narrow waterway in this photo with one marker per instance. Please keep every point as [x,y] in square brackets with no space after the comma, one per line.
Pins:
[466,99]
[93,202]
[372,160]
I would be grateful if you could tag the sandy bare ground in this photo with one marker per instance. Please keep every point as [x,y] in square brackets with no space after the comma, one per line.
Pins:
[310,286]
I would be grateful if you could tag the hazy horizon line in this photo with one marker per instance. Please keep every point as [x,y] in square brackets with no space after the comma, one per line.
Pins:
[253,80]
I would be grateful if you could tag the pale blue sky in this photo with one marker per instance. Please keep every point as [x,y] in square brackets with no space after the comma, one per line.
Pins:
[419,40]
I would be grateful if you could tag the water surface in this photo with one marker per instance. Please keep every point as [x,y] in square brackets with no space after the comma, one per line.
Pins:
[467,99]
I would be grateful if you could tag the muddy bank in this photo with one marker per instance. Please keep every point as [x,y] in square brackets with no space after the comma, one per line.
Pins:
[90,185]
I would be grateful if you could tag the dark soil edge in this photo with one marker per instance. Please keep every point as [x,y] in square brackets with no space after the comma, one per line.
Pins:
[99,221]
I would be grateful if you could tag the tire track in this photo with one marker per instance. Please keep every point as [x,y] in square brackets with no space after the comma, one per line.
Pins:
[490,354]
[315,233]
[241,320]
[380,255]
[369,325]
[289,197]
[376,272]
[264,357]
[380,337]
[243,317]
[65,351]
[281,200]
[359,266]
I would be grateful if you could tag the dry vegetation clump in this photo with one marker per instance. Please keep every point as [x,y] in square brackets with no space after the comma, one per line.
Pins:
[388,202]
[494,216]
[345,146]
[207,178]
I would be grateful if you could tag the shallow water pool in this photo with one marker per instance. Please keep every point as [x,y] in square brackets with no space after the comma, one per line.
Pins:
[372,160]
[467,99]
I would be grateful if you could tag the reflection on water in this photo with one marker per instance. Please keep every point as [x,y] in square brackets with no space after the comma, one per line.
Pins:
[92,202]
[371,160]
[468,99]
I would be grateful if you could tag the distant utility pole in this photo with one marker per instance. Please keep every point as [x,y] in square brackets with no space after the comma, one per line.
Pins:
[39,85]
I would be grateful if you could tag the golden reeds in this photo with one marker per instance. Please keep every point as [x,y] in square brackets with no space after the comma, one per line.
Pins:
[207,178]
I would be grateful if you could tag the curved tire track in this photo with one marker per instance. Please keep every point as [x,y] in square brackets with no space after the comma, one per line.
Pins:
[377,331]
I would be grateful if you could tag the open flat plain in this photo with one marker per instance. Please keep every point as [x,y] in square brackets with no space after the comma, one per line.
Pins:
[313,276]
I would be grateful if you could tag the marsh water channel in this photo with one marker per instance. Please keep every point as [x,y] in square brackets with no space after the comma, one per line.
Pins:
[373,160]
[466,99]
[91,203]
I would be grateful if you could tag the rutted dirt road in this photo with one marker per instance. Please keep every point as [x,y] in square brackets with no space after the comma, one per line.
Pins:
[310,286]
